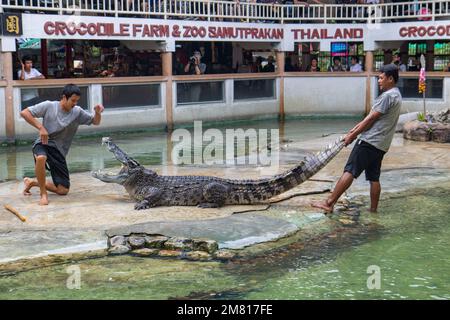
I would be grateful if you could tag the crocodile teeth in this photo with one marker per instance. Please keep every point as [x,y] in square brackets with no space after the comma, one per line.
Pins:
[105,140]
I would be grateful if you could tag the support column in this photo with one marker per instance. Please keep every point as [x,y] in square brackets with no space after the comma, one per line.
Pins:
[369,70]
[9,101]
[167,72]
[280,72]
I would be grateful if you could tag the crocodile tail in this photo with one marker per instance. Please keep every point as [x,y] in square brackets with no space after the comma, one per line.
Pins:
[299,174]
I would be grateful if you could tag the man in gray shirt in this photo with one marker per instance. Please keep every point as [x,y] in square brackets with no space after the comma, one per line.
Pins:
[60,123]
[377,131]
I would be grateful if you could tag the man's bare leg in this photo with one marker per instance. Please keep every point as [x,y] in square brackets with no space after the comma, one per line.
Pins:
[375,191]
[30,183]
[345,181]
[40,176]
[41,182]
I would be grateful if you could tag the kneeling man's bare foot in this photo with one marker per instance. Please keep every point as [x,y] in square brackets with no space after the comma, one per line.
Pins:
[44,200]
[323,205]
[29,183]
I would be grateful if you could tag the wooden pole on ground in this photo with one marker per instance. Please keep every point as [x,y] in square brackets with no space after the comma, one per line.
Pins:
[15,212]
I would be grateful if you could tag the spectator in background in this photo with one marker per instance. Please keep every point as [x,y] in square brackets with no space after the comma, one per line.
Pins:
[28,72]
[398,62]
[29,96]
[270,66]
[414,64]
[448,67]
[337,65]
[314,66]
[259,67]
[195,66]
[355,66]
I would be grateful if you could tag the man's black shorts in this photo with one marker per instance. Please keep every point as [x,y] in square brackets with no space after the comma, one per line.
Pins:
[56,164]
[365,157]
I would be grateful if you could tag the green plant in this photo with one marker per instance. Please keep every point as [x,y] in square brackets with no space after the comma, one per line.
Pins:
[421,117]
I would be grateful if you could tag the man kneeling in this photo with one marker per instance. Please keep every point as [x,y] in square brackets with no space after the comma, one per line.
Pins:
[60,123]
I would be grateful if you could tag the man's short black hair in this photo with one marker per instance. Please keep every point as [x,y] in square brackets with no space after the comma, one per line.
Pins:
[26,58]
[70,90]
[337,59]
[355,58]
[390,70]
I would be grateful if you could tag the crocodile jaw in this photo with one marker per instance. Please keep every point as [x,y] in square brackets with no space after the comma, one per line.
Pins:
[109,178]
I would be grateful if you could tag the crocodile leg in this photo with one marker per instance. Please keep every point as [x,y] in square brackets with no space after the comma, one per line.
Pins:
[150,199]
[215,195]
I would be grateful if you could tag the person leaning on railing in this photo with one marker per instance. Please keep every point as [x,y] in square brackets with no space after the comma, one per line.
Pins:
[27,72]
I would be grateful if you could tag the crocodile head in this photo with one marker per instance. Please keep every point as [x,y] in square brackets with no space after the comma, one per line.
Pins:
[130,167]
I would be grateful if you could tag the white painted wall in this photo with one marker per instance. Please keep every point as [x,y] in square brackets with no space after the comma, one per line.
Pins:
[324,95]
[227,110]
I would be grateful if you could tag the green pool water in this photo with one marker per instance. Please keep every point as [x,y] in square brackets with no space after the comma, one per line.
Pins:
[408,240]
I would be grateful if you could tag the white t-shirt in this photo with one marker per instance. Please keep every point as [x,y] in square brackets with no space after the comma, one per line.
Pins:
[28,94]
[356,68]
[28,75]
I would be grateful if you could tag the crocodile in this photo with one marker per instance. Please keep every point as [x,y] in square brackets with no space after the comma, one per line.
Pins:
[150,189]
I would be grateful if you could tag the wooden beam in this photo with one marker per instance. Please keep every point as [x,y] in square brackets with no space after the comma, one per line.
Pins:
[369,70]
[280,72]
[9,93]
[167,72]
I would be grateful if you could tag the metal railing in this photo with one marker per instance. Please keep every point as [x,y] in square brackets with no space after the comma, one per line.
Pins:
[242,11]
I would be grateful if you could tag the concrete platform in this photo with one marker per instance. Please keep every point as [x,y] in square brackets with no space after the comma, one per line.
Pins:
[77,222]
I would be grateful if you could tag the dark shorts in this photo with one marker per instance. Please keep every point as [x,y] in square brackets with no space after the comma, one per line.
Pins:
[365,157]
[56,164]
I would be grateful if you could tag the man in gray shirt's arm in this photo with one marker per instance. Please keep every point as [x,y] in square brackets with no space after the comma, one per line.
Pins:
[60,123]
[377,131]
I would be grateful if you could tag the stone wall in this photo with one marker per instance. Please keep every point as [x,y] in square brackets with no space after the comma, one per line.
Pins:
[155,245]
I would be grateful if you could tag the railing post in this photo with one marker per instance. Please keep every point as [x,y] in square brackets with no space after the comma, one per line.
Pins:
[282,13]
[165,9]
[433,8]
[116,8]
[248,12]
[209,10]
[324,13]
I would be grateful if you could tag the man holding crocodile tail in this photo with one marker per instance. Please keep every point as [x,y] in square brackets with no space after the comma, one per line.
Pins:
[60,123]
[377,131]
